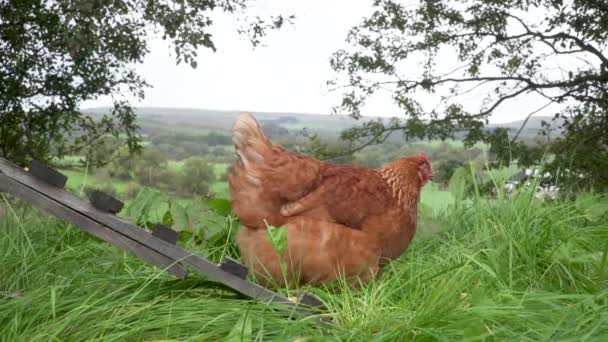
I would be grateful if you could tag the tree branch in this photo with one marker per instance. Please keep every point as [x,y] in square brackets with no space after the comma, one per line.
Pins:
[563,36]
[526,121]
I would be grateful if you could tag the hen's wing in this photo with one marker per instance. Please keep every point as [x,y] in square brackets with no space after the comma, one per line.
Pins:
[316,252]
[346,194]
[266,176]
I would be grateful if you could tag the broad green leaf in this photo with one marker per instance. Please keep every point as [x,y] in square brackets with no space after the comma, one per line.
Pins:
[168,218]
[146,206]
[220,206]
[278,238]
[185,235]
[181,217]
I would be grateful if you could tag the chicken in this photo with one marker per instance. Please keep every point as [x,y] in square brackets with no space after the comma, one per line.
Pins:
[343,218]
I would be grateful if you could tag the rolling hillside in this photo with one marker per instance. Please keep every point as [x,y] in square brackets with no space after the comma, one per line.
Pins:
[187,120]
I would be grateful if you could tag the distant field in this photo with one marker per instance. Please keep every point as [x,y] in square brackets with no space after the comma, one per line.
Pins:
[436,199]
[455,143]
[184,128]
[431,196]
[218,168]
[220,189]
[78,179]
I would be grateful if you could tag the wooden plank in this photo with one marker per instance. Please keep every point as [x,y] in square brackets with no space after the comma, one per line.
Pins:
[232,266]
[201,265]
[92,227]
[105,202]
[166,233]
[47,174]
[310,300]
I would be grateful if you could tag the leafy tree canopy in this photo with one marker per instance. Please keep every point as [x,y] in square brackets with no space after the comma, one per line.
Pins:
[505,46]
[58,53]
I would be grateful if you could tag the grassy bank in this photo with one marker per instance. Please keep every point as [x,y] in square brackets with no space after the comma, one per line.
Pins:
[511,269]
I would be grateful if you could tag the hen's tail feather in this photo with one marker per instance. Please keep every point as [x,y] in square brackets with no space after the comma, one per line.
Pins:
[249,140]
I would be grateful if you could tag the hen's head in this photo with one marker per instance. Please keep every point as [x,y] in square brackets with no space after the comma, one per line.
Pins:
[425,172]
[409,171]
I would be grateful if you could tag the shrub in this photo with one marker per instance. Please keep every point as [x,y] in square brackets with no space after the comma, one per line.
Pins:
[196,176]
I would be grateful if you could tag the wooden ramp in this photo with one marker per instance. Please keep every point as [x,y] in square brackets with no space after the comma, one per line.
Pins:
[43,188]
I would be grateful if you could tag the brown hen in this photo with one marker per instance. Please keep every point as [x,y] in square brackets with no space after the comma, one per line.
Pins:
[340,218]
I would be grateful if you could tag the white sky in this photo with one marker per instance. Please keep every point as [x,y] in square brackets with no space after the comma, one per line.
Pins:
[288,75]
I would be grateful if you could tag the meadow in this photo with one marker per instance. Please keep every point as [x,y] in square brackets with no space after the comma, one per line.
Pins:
[504,269]
[480,268]
[431,196]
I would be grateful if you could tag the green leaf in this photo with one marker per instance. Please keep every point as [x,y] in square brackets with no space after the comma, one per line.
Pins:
[277,237]
[134,209]
[592,207]
[168,218]
[220,206]
[147,202]
[185,235]
[458,183]
[181,217]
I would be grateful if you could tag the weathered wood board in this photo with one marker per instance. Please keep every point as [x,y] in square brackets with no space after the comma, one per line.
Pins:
[91,226]
[128,236]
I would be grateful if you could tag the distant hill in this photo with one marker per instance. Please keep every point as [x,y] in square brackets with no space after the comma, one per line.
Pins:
[534,122]
[533,126]
[190,120]
[185,120]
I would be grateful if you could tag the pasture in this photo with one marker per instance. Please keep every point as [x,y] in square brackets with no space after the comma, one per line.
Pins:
[508,269]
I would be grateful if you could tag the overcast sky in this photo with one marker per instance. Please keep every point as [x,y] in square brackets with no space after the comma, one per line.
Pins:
[288,75]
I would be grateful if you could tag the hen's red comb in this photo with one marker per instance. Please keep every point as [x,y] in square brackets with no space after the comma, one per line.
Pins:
[423,155]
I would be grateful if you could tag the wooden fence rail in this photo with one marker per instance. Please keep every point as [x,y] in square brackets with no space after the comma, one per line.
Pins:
[43,188]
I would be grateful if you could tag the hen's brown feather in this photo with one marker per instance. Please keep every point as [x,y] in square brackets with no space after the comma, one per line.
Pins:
[317,252]
[265,176]
[369,211]
[349,194]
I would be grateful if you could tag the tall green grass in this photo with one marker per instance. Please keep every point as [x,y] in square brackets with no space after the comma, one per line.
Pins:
[503,269]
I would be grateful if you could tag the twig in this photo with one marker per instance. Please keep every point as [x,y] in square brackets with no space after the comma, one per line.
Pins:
[528,118]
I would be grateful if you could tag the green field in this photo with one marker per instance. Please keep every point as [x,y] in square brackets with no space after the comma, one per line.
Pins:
[218,168]
[431,196]
[78,179]
[501,270]
[220,189]
[436,199]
